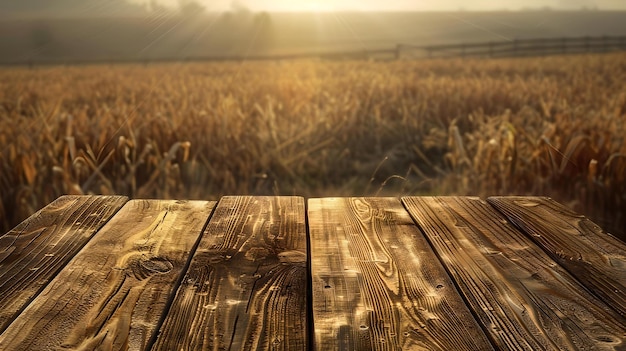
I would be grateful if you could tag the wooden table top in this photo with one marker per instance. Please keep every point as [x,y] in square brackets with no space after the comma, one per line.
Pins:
[283,273]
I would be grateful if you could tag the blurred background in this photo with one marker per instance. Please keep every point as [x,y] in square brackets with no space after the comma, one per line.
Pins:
[70,31]
[198,99]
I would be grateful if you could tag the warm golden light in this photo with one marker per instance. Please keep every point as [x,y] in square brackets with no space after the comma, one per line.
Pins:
[315,6]
[393,5]
[307,6]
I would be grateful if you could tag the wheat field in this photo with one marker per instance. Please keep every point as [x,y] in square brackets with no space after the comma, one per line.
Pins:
[550,126]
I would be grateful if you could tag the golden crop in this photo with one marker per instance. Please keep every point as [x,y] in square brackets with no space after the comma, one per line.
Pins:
[543,126]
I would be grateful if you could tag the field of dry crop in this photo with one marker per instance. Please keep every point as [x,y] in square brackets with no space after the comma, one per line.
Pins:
[544,126]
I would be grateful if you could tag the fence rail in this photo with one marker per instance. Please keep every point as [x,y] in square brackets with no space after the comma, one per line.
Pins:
[518,47]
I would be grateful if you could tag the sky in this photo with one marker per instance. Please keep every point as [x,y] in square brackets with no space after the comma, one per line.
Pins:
[403,5]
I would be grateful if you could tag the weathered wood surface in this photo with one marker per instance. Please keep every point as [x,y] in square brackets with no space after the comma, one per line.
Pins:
[596,259]
[37,249]
[160,276]
[111,296]
[377,285]
[522,297]
[246,287]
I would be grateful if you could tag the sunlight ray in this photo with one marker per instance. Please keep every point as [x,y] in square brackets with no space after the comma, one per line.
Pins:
[201,33]
[141,101]
[479,27]
[157,17]
[340,18]
[163,35]
[160,20]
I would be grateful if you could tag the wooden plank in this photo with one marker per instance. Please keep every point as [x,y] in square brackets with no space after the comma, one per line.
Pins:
[596,259]
[246,286]
[524,299]
[38,248]
[377,285]
[111,296]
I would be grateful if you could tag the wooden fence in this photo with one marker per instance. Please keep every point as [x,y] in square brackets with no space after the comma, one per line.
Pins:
[511,48]
[517,47]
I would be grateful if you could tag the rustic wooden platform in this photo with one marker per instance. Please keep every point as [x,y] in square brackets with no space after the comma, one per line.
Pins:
[282,273]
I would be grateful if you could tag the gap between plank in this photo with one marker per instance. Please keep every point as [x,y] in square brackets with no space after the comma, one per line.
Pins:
[456,284]
[179,280]
[310,332]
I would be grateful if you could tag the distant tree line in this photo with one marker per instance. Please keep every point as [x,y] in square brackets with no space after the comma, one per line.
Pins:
[70,8]
[238,31]
[84,8]
[240,26]
[189,7]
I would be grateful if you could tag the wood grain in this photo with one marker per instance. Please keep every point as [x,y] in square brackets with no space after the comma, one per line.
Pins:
[38,248]
[377,285]
[112,294]
[596,259]
[524,299]
[246,287]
